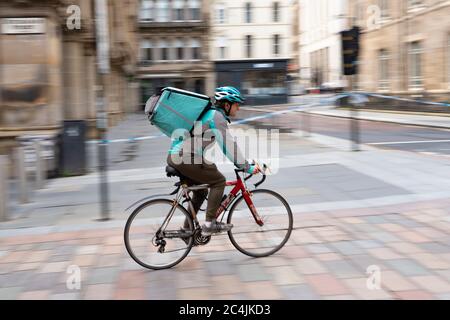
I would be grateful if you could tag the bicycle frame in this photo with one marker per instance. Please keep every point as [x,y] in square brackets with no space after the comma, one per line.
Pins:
[239,186]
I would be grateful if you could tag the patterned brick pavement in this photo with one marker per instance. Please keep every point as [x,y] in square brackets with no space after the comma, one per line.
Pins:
[327,257]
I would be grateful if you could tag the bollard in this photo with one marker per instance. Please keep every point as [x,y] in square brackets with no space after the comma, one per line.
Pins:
[354,128]
[3,188]
[40,166]
[21,175]
[356,101]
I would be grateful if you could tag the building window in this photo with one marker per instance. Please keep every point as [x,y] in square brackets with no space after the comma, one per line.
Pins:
[415,65]
[178,6]
[320,67]
[248,46]
[268,83]
[195,47]
[164,50]
[146,51]
[146,12]
[179,49]
[324,54]
[316,79]
[221,44]
[248,12]
[220,14]
[276,12]
[222,52]
[194,8]
[162,10]
[384,8]
[276,44]
[383,61]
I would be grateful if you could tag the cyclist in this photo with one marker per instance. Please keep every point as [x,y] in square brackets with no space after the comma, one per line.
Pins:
[187,156]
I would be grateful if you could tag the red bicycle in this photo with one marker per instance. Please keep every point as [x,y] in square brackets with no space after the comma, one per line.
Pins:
[157,237]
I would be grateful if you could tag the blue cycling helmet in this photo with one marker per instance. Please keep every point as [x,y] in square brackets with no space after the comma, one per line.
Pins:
[230,94]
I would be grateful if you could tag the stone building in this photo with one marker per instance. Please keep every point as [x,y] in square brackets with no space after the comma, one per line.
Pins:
[48,70]
[320,44]
[173,46]
[251,47]
[405,47]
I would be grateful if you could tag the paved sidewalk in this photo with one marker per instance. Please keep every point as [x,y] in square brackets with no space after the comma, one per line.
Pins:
[394,117]
[328,257]
[382,208]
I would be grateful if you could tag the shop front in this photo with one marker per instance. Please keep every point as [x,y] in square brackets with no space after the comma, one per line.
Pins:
[262,82]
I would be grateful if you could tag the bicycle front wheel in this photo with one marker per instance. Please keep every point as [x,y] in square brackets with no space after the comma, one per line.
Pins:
[152,246]
[260,241]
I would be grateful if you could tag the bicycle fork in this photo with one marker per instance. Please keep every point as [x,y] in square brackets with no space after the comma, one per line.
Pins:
[247,197]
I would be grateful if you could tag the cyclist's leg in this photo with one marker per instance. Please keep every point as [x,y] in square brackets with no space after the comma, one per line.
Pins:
[217,187]
[191,171]
[198,199]
[205,173]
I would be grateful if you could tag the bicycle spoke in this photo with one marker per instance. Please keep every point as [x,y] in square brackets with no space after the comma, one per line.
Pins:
[260,241]
[153,237]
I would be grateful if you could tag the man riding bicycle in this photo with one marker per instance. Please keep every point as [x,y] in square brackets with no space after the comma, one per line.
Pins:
[187,156]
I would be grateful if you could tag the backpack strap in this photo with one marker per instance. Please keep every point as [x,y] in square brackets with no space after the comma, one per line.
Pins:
[222,113]
[208,107]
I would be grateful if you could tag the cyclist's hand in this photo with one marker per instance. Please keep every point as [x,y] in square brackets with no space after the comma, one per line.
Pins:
[254,169]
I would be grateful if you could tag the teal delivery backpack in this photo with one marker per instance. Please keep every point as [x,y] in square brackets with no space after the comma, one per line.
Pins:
[176,109]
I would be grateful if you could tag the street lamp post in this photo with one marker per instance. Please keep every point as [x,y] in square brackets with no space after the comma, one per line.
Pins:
[103,68]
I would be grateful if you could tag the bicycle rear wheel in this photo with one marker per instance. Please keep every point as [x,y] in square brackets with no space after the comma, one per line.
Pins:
[260,241]
[153,249]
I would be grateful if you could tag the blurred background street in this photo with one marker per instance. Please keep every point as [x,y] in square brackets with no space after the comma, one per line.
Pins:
[368,181]
[386,206]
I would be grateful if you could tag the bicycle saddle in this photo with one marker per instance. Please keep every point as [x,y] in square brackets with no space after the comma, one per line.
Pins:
[172,172]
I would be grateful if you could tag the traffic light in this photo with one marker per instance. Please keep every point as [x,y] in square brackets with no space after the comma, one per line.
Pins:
[350,50]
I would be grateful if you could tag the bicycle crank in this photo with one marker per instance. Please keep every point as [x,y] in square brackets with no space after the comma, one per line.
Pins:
[199,239]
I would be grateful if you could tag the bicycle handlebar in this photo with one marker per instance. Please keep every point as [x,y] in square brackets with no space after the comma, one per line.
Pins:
[251,175]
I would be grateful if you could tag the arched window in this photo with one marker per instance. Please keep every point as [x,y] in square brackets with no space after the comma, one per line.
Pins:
[195,48]
[146,12]
[194,10]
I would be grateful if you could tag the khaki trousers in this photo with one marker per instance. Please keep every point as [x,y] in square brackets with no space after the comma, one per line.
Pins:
[203,174]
